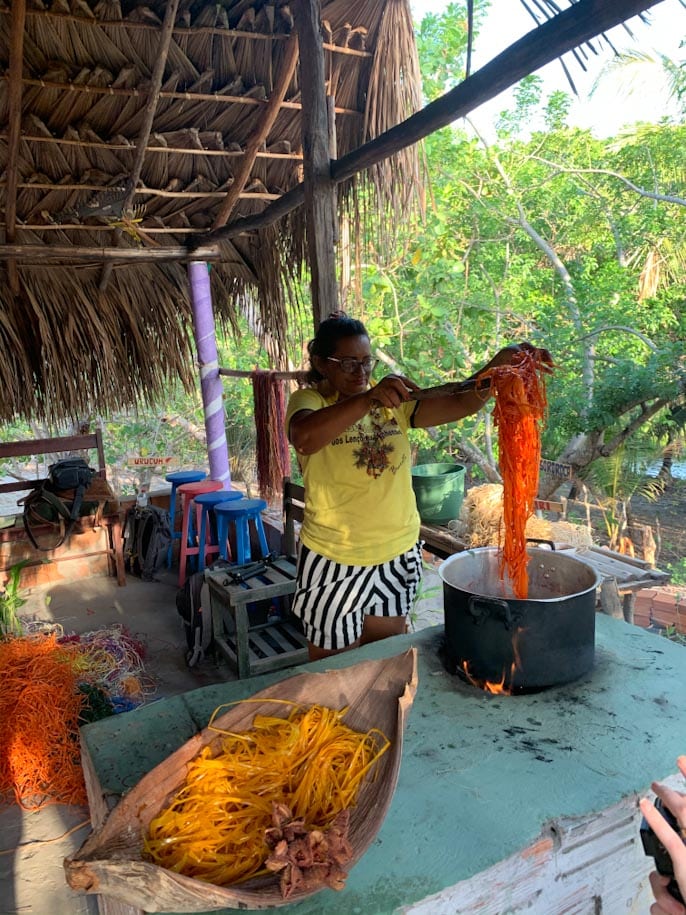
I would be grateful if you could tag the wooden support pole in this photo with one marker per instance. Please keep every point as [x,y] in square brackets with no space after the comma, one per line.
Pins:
[260,134]
[14,117]
[320,190]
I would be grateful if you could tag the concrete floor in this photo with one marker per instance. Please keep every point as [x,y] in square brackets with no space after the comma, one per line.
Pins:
[34,844]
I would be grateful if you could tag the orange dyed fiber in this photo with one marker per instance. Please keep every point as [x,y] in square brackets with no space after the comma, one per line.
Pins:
[39,723]
[520,405]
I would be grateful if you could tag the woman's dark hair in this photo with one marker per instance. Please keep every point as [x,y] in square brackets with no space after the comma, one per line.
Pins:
[337,326]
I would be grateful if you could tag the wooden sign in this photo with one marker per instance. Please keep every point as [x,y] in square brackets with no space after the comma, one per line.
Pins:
[545,505]
[150,461]
[555,469]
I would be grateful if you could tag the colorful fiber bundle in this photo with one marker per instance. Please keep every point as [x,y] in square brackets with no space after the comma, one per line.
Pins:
[40,707]
[216,827]
[51,684]
[520,405]
[272,454]
[112,659]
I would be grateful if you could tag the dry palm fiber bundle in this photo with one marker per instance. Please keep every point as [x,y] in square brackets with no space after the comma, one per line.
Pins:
[520,404]
[481,521]
[40,707]
[284,779]
[271,449]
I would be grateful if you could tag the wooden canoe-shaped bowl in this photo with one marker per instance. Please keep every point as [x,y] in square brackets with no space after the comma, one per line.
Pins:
[378,694]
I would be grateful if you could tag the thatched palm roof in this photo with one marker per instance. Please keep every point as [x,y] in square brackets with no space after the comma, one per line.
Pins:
[125,129]
[138,136]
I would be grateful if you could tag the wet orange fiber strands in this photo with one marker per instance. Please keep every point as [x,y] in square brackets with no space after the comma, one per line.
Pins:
[520,406]
[39,723]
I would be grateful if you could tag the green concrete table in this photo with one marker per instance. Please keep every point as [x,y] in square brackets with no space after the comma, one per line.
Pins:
[504,804]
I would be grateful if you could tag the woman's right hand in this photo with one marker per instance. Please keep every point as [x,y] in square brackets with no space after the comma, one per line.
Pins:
[392,390]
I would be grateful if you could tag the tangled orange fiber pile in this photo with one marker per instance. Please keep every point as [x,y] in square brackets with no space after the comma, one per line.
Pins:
[39,714]
[520,406]
[215,828]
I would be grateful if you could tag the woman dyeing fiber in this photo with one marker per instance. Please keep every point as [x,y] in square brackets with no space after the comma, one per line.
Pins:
[359,562]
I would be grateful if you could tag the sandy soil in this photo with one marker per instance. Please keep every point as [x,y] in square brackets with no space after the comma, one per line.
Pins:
[666,516]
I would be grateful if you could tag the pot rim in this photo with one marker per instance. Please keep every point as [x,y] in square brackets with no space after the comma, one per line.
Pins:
[533,553]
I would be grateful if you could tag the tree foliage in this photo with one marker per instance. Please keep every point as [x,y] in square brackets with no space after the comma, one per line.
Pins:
[571,242]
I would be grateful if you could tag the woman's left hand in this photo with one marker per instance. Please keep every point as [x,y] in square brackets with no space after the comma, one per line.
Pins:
[510,354]
[673,841]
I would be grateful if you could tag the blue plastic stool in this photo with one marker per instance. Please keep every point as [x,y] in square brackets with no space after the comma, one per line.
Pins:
[240,513]
[205,504]
[177,478]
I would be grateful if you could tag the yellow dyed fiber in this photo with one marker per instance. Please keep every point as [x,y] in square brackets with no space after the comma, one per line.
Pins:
[214,829]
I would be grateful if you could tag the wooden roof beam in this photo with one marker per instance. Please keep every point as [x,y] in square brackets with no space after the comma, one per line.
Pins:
[214,97]
[176,150]
[14,133]
[152,100]
[142,191]
[261,132]
[583,21]
[42,254]
[146,127]
[186,32]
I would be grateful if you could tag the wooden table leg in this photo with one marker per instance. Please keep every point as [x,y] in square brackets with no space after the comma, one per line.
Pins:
[117,545]
[240,615]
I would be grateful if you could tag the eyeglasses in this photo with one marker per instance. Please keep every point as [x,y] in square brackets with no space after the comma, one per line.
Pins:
[350,365]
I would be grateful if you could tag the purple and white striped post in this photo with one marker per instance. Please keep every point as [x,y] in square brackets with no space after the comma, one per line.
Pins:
[210,379]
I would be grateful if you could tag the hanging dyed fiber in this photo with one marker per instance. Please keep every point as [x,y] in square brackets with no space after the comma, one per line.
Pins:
[520,404]
[273,456]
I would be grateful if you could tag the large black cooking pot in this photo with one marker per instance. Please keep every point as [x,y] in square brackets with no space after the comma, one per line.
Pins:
[547,639]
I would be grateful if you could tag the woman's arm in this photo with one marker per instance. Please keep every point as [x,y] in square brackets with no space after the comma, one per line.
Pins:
[435,411]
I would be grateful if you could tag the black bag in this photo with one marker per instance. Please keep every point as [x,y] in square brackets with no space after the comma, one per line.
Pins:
[70,473]
[44,505]
[197,625]
[147,538]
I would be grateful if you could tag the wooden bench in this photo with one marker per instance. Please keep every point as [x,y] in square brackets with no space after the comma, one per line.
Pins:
[109,520]
[244,632]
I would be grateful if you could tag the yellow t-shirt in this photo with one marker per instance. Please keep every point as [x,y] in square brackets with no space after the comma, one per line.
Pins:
[360,507]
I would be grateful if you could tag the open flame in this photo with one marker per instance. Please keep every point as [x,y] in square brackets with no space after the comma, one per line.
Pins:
[504,686]
[489,686]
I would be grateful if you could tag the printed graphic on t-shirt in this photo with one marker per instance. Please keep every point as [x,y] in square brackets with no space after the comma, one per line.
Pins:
[374,452]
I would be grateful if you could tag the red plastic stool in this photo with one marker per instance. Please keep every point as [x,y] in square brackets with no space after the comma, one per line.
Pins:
[204,505]
[178,478]
[189,547]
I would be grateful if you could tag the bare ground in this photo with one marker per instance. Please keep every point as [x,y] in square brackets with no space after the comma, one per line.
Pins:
[667,518]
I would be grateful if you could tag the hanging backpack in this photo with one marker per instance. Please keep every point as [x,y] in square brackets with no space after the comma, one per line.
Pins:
[147,537]
[196,623]
[58,501]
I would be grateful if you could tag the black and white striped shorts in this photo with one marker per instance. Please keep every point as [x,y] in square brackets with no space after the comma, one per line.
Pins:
[332,599]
